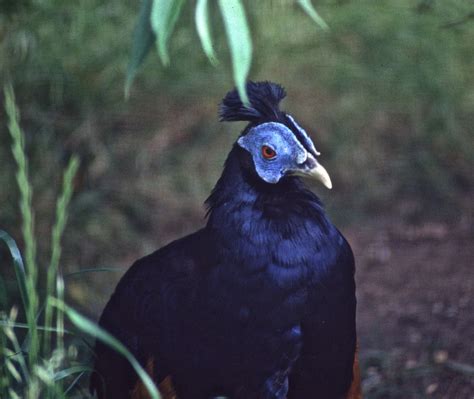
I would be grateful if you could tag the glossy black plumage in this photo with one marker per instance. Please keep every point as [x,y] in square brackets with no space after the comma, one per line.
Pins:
[260,303]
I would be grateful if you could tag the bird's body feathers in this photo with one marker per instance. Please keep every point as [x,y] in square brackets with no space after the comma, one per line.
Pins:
[260,303]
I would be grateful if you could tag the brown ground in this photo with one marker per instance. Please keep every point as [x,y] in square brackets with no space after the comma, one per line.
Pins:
[415,310]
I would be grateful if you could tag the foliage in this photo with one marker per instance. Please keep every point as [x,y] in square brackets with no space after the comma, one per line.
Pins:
[94,330]
[158,18]
[33,368]
[30,284]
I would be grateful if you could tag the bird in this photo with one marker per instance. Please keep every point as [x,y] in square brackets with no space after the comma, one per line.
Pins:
[257,304]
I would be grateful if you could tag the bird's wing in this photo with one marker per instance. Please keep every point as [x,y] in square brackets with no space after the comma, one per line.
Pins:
[136,315]
[325,367]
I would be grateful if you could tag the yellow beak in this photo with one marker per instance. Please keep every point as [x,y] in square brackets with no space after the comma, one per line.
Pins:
[320,173]
[316,171]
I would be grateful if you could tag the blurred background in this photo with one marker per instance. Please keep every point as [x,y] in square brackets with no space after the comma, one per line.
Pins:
[387,94]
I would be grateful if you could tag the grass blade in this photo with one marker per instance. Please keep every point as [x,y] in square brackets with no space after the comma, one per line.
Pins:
[94,270]
[13,371]
[309,9]
[25,326]
[164,14]
[73,383]
[99,333]
[203,29]
[26,209]
[17,265]
[463,368]
[143,39]
[240,43]
[8,330]
[60,321]
[64,373]
[58,230]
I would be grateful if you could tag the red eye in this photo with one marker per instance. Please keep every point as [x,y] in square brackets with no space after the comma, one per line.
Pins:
[268,152]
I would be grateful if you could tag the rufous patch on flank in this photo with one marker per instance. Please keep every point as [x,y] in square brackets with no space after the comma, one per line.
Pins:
[355,391]
[166,386]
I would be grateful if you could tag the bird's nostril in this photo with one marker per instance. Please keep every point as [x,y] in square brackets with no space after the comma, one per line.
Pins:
[310,163]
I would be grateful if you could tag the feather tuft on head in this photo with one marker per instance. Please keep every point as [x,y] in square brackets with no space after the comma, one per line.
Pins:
[264,98]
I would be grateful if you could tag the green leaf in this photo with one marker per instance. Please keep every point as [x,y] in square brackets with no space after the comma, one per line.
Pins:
[25,326]
[91,328]
[240,43]
[308,7]
[94,270]
[164,14]
[64,373]
[143,39]
[17,265]
[463,368]
[73,383]
[203,29]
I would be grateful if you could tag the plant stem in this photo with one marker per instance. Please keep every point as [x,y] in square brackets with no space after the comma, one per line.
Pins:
[57,232]
[18,151]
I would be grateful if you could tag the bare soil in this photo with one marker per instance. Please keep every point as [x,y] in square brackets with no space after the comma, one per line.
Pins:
[415,309]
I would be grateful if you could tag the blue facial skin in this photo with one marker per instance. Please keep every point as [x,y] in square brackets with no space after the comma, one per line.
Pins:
[290,154]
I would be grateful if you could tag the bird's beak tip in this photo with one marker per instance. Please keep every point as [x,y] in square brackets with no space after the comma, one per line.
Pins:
[320,173]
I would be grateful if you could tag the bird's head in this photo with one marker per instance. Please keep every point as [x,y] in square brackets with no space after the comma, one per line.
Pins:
[277,144]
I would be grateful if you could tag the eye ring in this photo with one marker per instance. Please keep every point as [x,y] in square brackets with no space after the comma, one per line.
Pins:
[268,152]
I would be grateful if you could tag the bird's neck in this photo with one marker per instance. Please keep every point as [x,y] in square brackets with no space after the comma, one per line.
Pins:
[240,198]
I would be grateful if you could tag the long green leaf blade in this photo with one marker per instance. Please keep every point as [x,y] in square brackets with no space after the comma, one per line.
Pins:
[17,265]
[96,331]
[143,39]
[25,326]
[203,29]
[94,270]
[308,7]
[73,383]
[240,43]
[164,14]
[18,354]
[64,373]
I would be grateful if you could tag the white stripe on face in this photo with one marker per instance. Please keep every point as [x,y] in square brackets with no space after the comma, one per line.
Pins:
[307,140]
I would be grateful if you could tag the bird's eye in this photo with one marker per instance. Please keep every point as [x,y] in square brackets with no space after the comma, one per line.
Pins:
[268,152]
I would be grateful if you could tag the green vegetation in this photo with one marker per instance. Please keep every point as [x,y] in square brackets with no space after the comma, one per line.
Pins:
[32,369]
[157,20]
[35,368]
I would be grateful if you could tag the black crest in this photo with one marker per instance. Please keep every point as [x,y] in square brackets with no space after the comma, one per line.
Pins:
[264,98]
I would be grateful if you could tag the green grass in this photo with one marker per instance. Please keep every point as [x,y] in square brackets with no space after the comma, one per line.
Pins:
[18,151]
[39,360]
